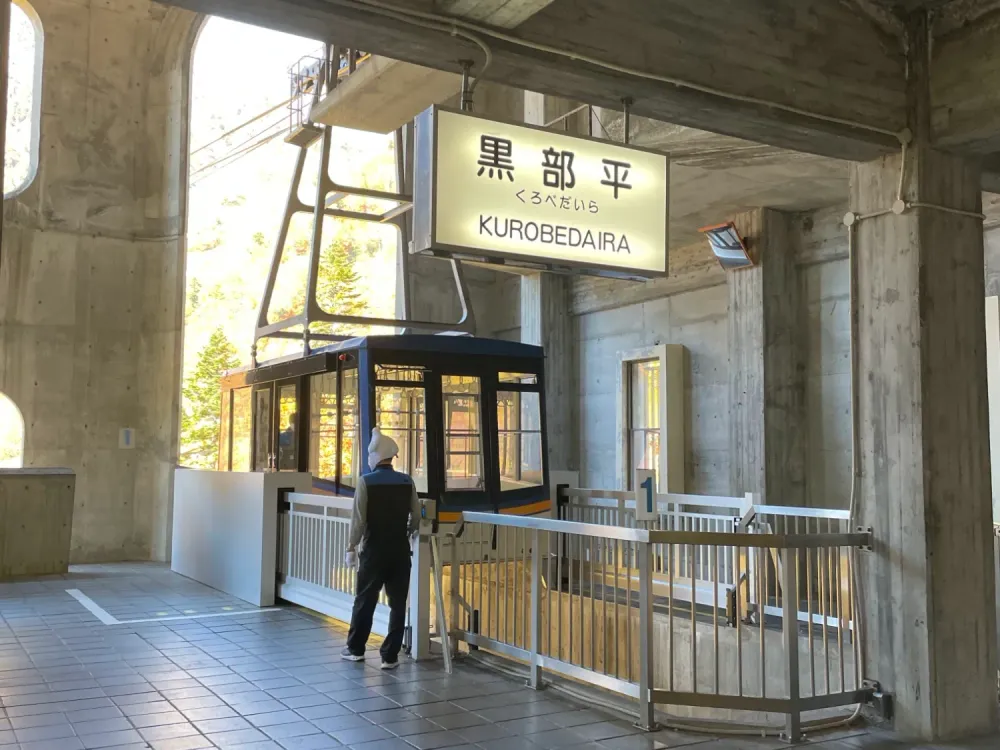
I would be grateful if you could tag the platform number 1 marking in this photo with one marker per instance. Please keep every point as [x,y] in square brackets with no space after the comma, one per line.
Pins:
[645,495]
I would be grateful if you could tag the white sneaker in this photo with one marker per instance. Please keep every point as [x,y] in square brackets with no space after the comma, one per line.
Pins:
[389,664]
[347,655]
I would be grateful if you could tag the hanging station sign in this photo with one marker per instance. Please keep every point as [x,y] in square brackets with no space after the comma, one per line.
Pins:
[528,196]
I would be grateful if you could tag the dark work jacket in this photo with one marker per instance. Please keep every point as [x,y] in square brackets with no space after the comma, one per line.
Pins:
[391,514]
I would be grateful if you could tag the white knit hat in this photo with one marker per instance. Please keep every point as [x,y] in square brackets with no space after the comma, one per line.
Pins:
[381,448]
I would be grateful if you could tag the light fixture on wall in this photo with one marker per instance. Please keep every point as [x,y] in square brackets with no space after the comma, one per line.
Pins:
[727,245]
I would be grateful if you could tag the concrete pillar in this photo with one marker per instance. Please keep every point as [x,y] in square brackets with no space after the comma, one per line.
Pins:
[546,322]
[767,372]
[925,485]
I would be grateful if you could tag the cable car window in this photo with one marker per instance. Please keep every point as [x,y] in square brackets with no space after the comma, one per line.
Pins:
[463,444]
[263,457]
[288,444]
[401,374]
[521,378]
[519,419]
[323,426]
[350,445]
[242,429]
[643,416]
[223,464]
[400,413]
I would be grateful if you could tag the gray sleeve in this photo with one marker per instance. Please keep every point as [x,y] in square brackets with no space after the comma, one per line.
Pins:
[414,510]
[359,515]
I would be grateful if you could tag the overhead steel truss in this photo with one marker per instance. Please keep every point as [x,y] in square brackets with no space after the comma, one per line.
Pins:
[322,79]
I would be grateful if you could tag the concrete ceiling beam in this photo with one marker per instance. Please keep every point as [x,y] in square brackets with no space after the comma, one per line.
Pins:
[965,88]
[505,14]
[809,75]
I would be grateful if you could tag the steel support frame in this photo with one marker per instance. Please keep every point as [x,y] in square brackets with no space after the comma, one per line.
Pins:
[329,192]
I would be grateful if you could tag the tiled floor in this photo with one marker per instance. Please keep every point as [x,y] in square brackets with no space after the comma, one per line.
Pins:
[231,678]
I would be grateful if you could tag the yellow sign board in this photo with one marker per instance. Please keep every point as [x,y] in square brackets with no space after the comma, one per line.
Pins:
[531,196]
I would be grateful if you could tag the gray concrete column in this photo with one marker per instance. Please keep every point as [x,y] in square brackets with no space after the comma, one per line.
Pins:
[546,322]
[925,485]
[767,373]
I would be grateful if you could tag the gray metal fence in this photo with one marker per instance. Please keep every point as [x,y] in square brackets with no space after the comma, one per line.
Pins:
[581,600]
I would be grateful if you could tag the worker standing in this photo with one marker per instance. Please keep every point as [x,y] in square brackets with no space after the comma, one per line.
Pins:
[385,517]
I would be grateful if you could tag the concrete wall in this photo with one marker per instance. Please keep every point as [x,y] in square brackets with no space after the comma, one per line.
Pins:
[91,288]
[693,311]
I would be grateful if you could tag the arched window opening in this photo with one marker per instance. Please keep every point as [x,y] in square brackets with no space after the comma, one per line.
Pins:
[11,435]
[24,98]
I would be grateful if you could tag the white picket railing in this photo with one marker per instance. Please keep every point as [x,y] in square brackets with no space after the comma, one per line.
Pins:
[313,537]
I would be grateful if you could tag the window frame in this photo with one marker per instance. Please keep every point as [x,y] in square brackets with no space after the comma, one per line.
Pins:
[34,140]
[670,460]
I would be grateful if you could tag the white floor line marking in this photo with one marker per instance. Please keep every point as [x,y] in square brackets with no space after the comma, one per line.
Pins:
[199,617]
[101,614]
[109,619]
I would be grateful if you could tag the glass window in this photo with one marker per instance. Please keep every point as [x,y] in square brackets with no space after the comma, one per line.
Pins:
[519,422]
[223,464]
[263,457]
[524,378]
[399,373]
[23,99]
[242,429]
[400,414]
[11,435]
[643,416]
[463,444]
[350,448]
[323,426]
[288,444]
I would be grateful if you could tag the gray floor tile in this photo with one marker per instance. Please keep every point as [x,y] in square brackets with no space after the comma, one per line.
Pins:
[526,726]
[482,732]
[436,740]
[389,744]
[168,731]
[369,733]
[605,730]
[111,739]
[229,724]
[430,710]
[257,682]
[296,729]
[324,711]
[310,742]
[410,727]
[239,738]
[509,743]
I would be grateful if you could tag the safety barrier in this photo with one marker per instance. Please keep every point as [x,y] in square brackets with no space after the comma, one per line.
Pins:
[678,512]
[313,535]
[578,599]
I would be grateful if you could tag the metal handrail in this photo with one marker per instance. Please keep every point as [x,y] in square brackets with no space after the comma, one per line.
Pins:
[510,572]
[652,536]
[611,498]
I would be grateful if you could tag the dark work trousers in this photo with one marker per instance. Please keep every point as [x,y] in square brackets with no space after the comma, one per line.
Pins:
[376,571]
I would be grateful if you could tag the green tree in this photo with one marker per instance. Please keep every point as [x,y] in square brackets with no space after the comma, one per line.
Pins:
[337,285]
[201,392]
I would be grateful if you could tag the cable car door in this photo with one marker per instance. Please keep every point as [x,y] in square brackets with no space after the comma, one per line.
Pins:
[263,453]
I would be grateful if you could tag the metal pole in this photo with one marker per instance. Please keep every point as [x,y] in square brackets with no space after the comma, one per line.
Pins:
[456,575]
[647,720]
[467,103]
[535,670]
[790,617]
[627,112]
